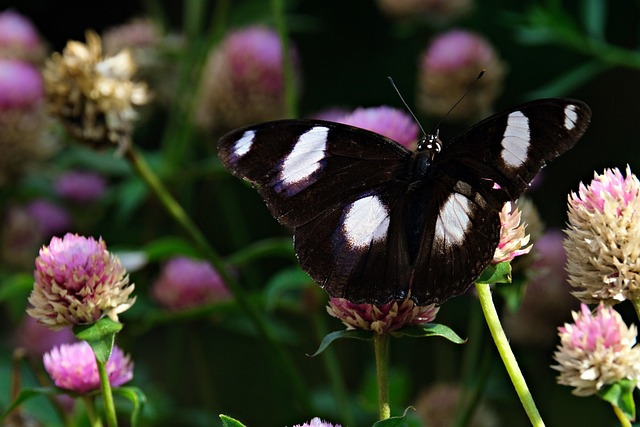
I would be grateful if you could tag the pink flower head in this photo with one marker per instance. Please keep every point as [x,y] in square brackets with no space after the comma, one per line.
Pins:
[317,422]
[513,239]
[609,191]
[80,186]
[19,38]
[37,339]
[387,121]
[73,367]
[51,218]
[457,49]
[77,281]
[596,350]
[381,319]
[186,283]
[21,85]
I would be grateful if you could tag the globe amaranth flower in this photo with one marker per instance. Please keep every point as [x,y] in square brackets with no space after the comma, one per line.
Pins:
[243,80]
[24,140]
[596,350]
[381,319]
[77,281]
[603,238]
[51,219]
[437,12]
[317,422]
[439,405]
[186,283]
[19,38]
[37,339]
[94,95]
[513,239]
[73,367]
[448,68]
[387,121]
[80,186]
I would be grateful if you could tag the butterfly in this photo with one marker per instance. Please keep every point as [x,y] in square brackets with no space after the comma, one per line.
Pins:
[375,222]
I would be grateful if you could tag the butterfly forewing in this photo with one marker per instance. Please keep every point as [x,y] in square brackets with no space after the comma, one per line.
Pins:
[373,222]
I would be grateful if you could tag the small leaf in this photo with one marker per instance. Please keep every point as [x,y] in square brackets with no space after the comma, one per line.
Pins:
[286,280]
[500,273]
[230,422]
[620,394]
[347,333]
[429,330]
[28,393]
[99,336]
[167,247]
[137,399]
[402,421]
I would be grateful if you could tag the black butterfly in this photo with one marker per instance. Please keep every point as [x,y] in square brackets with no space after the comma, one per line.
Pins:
[375,222]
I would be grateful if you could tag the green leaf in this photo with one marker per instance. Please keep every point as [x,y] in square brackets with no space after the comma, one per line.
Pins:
[137,399]
[230,422]
[347,333]
[620,394]
[281,247]
[168,247]
[99,336]
[402,421]
[594,17]
[291,279]
[15,285]
[429,330]
[500,273]
[26,394]
[570,80]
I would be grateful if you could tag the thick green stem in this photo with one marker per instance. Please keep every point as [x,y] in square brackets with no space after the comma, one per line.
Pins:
[290,94]
[381,349]
[263,328]
[624,421]
[508,358]
[107,395]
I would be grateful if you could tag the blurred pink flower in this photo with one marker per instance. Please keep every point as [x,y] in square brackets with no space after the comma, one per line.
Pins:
[50,218]
[390,122]
[21,85]
[37,339]
[80,186]
[73,367]
[19,38]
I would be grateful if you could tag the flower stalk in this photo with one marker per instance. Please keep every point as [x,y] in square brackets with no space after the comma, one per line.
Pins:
[107,394]
[624,420]
[381,350]
[91,411]
[508,358]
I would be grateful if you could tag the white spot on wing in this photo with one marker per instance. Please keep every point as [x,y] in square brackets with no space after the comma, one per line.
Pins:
[453,219]
[366,221]
[304,159]
[515,141]
[243,145]
[570,117]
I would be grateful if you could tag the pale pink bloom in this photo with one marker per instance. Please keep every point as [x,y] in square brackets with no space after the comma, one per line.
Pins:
[80,186]
[21,85]
[513,240]
[390,122]
[317,422]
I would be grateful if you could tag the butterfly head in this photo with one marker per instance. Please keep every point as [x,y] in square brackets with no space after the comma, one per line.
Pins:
[430,144]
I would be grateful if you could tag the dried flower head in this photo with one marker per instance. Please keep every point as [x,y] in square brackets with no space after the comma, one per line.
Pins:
[19,38]
[80,186]
[603,238]
[73,367]
[317,422]
[596,350]
[513,240]
[449,66]
[381,319]
[437,12]
[94,95]
[438,406]
[186,283]
[77,281]
[243,80]
[387,121]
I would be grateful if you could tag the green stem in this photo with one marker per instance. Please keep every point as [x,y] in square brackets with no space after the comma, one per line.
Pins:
[508,358]
[107,395]
[263,328]
[624,421]
[636,305]
[381,349]
[94,420]
[290,95]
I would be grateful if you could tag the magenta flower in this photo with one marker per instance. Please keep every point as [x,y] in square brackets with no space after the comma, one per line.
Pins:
[603,249]
[80,186]
[381,319]
[317,422]
[21,85]
[77,281]
[37,339]
[449,65]
[186,283]
[596,350]
[50,218]
[437,12]
[387,121]
[19,38]
[73,367]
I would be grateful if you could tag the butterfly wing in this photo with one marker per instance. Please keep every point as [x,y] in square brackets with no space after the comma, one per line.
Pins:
[471,179]
[342,190]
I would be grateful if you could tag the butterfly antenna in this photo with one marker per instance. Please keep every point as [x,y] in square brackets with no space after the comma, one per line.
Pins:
[406,105]
[461,98]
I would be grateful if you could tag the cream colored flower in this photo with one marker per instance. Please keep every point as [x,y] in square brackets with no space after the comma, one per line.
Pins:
[513,240]
[603,238]
[94,95]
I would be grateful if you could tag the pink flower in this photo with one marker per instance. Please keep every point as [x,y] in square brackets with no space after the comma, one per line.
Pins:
[381,319]
[80,186]
[596,350]
[186,283]
[513,239]
[73,367]
[51,218]
[19,39]
[38,339]
[317,422]
[21,85]
[387,121]
[77,281]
